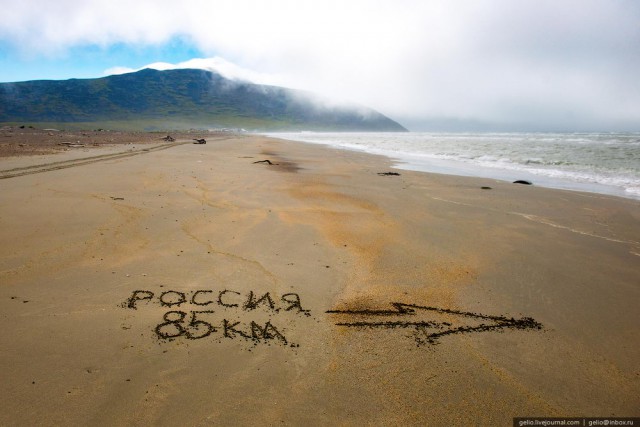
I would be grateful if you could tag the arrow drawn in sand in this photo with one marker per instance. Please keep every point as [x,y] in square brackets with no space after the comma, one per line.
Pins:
[429,323]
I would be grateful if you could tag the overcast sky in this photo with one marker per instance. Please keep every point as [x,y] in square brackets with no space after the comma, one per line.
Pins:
[431,65]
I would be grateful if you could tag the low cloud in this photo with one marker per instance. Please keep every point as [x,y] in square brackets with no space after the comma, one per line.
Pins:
[216,64]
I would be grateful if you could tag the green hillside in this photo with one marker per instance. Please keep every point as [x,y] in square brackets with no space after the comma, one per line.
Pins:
[178,99]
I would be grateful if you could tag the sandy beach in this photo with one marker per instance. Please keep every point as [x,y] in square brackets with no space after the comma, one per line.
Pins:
[178,284]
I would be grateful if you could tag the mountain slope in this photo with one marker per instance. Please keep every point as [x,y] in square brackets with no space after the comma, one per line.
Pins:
[180,98]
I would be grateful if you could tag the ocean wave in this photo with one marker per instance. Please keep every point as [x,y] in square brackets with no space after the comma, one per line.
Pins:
[633,191]
[607,160]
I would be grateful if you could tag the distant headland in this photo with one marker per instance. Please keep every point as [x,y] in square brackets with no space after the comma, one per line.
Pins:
[179,99]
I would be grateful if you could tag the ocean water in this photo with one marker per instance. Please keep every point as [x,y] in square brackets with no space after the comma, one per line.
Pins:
[607,163]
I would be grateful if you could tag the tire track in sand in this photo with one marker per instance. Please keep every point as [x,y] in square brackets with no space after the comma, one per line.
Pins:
[47,167]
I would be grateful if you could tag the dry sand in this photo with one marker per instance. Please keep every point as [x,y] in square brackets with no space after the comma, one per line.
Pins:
[96,256]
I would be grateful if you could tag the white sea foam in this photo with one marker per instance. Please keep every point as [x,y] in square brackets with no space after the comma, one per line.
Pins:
[606,163]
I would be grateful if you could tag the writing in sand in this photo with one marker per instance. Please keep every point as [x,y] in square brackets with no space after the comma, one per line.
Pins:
[204,322]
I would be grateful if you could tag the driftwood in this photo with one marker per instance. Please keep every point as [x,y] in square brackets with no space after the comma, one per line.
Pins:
[71,144]
[388,174]
[200,141]
[168,138]
[265,161]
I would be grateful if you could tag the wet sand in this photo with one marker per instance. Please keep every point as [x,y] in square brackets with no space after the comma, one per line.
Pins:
[189,285]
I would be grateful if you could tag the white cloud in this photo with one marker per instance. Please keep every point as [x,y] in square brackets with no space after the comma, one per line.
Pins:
[553,63]
[216,64]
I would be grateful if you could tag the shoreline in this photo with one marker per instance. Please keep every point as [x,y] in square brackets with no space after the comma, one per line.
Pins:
[287,273]
[425,163]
